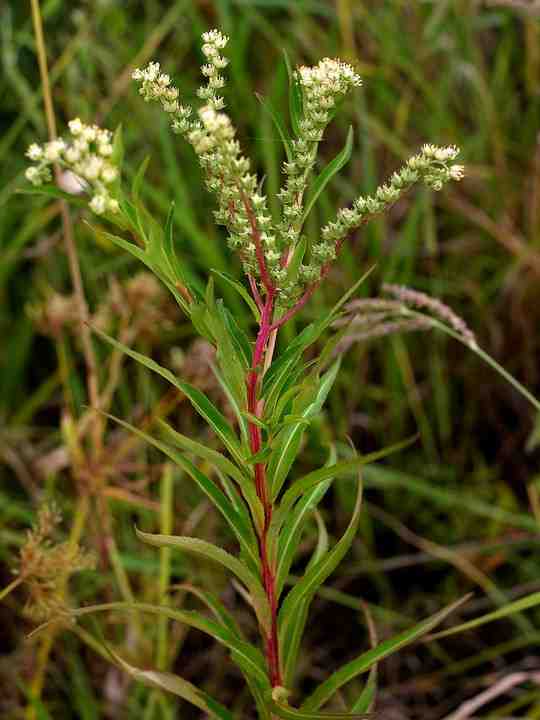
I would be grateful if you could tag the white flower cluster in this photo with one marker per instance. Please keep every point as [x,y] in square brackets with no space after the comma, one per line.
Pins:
[213,42]
[240,207]
[88,156]
[432,165]
[156,86]
[321,87]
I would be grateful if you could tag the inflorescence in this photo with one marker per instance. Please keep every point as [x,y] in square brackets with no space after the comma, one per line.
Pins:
[88,155]
[266,245]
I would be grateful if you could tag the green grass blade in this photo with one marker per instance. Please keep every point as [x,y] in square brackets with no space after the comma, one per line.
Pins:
[514,607]
[295,98]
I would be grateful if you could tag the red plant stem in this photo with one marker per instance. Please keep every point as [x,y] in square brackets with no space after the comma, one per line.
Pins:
[255,407]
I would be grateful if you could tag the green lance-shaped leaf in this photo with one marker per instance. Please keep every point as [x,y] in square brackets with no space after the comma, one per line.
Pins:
[198,399]
[294,525]
[252,659]
[175,268]
[289,713]
[333,167]
[313,578]
[301,612]
[289,439]
[295,97]
[233,351]
[175,685]
[367,696]
[201,548]
[240,289]
[276,119]
[239,523]
[53,191]
[312,479]
[219,461]
[144,257]
[365,661]
[214,604]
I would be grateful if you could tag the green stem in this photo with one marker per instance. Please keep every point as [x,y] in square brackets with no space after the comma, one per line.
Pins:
[485,357]
[165,566]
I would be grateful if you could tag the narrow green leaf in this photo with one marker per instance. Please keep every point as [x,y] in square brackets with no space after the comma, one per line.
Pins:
[251,657]
[276,119]
[361,664]
[243,479]
[296,259]
[290,645]
[233,403]
[293,641]
[289,713]
[240,289]
[295,97]
[198,399]
[201,548]
[214,604]
[239,523]
[53,191]
[333,167]
[240,475]
[117,157]
[367,696]
[175,685]
[346,296]
[177,273]
[239,338]
[138,179]
[259,457]
[256,420]
[230,351]
[289,439]
[292,531]
[144,257]
[303,484]
[313,578]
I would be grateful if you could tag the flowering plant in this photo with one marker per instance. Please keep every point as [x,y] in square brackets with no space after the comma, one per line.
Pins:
[274,398]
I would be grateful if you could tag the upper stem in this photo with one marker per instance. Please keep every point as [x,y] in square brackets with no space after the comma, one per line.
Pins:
[255,408]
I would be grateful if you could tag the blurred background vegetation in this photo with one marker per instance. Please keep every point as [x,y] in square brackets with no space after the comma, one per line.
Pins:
[456,512]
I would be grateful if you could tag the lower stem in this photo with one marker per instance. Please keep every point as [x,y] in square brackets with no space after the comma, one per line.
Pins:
[258,366]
